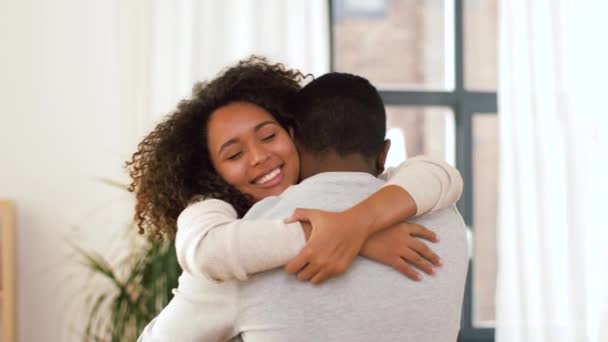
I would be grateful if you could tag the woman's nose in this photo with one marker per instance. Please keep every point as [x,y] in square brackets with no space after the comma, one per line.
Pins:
[258,155]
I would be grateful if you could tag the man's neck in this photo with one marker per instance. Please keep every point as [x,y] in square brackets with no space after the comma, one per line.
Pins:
[313,163]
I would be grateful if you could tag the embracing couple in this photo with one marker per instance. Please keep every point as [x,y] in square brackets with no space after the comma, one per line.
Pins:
[286,224]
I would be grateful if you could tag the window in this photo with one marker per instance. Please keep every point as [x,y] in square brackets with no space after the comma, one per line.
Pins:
[434,62]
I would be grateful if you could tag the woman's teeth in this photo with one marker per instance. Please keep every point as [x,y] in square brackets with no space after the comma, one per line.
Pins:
[269,176]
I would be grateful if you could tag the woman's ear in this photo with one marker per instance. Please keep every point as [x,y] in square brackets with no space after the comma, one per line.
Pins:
[381,159]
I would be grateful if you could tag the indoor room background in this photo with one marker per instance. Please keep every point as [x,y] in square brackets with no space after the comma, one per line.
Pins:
[511,92]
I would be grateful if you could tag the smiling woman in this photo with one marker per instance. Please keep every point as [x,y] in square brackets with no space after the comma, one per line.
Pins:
[178,161]
[251,150]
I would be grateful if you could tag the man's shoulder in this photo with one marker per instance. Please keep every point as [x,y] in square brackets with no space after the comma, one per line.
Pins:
[328,191]
[261,207]
[334,183]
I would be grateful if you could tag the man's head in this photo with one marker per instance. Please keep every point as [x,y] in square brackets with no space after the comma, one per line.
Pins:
[340,125]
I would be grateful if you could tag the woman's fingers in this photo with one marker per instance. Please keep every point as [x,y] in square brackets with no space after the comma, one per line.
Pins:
[422,232]
[407,270]
[300,265]
[319,278]
[330,248]
[298,262]
[299,215]
[415,259]
[423,250]
[308,272]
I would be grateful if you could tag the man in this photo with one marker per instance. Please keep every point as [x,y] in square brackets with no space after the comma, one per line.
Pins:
[370,302]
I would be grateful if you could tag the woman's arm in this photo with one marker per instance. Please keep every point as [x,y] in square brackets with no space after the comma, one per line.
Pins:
[212,242]
[432,184]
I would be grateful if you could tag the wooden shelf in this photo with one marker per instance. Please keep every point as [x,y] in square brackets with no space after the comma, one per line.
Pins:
[8,279]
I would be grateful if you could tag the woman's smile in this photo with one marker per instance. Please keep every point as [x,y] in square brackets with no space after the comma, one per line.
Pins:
[270,179]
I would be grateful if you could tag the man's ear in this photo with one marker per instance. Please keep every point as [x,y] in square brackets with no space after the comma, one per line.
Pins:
[382,156]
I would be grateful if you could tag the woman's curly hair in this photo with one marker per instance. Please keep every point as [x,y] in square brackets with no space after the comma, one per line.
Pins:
[172,166]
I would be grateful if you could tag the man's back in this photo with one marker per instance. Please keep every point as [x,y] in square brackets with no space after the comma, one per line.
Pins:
[371,302]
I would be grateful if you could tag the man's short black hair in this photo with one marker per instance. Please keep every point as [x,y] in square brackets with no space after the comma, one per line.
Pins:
[340,112]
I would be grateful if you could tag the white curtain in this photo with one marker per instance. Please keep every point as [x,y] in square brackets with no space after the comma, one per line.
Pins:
[169,45]
[553,228]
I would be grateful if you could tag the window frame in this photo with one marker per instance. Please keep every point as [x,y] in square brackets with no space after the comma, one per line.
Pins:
[464,104]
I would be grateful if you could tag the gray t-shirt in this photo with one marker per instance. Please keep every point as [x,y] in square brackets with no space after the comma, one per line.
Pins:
[371,302]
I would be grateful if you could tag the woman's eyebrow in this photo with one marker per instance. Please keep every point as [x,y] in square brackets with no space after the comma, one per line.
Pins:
[227,143]
[264,123]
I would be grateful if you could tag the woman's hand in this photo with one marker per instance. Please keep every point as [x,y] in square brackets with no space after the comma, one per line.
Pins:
[335,240]
[401,247]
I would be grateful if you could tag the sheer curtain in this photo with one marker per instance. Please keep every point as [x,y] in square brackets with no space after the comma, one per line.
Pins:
[553,232]
[169,45]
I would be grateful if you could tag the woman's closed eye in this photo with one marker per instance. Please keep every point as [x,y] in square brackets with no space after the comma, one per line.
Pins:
[269,137]
[234,156]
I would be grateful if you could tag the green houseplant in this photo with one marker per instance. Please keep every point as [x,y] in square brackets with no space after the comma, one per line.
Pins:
[140,286]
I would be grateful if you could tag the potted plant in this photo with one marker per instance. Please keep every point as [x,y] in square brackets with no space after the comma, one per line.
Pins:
[141,286]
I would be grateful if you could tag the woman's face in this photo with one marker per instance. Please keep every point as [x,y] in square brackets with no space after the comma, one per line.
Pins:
[251,151]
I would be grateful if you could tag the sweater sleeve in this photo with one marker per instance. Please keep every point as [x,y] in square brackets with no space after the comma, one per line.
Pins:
[197,312]
[432,183]
[212,242]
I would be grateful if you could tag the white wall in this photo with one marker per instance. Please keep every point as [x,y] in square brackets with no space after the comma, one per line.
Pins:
[64,120]
[80,82]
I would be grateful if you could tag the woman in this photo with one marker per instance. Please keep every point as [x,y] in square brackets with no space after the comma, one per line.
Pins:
[178,162]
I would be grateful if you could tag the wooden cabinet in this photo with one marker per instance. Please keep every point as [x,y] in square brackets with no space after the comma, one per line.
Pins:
[8,297]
